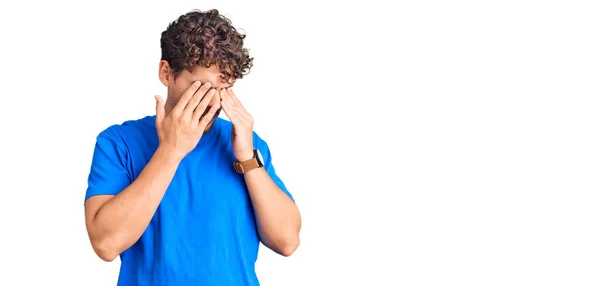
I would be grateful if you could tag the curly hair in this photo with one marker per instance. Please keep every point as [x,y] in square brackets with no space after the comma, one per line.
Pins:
[205,39]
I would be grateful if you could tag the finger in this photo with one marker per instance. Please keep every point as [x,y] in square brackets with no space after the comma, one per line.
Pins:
[201,107]
[196,98]
[215,100]
[225,96]
[160,109]
[185,97]
[225,102]
[199,112]
[242,114]
[229,99]
[206,118]
[241,117]
[239,111]
[234,98]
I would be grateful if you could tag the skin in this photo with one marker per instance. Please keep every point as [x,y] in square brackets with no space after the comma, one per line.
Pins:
[115,223]
[177,85]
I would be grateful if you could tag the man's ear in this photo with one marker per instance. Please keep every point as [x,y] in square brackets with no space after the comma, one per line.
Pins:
[164,72]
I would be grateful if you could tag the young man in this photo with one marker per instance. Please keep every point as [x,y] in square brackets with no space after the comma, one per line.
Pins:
[184,197]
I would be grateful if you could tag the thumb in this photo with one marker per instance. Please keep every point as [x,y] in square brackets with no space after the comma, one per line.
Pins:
[160,109]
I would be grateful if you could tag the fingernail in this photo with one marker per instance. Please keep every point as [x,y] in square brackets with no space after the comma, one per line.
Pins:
[197,83]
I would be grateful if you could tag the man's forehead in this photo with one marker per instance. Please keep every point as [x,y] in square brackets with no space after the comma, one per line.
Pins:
[212,75]
[215,83]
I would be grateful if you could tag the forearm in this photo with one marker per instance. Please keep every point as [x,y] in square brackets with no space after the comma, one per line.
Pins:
[122,220]
[277,216]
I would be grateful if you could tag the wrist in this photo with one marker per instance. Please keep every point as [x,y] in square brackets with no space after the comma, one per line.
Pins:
[168,155]
[248,162]
[245,156]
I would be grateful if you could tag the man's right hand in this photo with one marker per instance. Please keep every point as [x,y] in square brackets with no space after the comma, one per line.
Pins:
[180,131]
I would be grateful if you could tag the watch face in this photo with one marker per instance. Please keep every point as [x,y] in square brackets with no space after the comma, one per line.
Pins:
[260,157]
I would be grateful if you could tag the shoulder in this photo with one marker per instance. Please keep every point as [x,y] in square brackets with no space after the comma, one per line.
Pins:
[121,133]
[259,141]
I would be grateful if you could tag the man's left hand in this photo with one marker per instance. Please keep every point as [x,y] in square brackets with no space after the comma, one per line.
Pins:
[243,124]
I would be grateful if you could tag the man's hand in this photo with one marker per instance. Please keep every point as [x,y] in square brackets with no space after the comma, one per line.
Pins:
[115,223]
[278,220]
[180,131]
[243,124]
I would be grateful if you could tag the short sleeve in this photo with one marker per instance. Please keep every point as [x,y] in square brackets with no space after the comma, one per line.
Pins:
[263,147]
[108,173]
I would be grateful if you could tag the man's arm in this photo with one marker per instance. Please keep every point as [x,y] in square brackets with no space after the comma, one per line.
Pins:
[277,216]
[115,223]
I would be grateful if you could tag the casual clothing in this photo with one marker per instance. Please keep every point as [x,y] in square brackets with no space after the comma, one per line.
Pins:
[204,230]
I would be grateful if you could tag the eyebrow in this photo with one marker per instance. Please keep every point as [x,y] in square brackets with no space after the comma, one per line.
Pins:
[212,86]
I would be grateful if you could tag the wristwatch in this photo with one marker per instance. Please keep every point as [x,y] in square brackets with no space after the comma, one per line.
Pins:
[255,162]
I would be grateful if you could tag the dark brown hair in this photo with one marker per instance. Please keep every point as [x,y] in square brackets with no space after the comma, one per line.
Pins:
[205,39]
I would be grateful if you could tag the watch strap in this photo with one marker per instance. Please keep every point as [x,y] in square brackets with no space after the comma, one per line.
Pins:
[248,165]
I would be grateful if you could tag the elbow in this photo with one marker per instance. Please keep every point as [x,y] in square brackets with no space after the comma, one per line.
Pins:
[105,249]
[283,245]
[107,256]
[286,243]
[288,247]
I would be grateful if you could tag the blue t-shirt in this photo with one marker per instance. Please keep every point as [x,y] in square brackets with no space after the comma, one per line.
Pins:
[204,230]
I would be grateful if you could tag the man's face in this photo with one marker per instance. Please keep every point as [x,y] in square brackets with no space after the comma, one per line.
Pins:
[178,85]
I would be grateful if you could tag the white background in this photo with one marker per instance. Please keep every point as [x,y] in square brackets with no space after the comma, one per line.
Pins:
[430,143]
